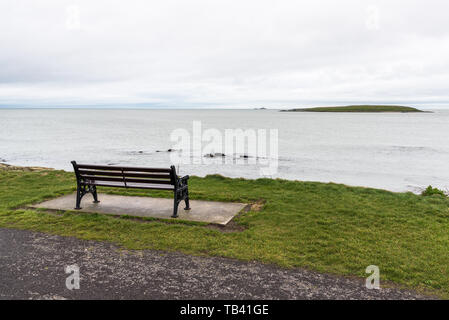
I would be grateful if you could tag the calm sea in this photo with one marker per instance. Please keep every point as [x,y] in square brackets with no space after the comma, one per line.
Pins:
[390,151]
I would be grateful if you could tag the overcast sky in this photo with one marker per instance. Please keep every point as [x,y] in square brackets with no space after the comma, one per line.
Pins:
[209,53]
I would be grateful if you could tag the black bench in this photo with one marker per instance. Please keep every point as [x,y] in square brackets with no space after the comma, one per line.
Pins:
[88,177]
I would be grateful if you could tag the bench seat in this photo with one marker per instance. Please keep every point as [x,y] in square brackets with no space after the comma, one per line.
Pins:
[132,185]
[89,176]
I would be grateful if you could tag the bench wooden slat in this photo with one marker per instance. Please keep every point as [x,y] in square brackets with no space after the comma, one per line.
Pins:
[127,174]
[134,186]
[99,178]
[116,168]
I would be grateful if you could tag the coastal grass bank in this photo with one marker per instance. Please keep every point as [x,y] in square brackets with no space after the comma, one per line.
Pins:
[325,227]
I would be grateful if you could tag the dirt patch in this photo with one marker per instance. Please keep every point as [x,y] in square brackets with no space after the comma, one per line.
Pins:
[258,205]
[233,226]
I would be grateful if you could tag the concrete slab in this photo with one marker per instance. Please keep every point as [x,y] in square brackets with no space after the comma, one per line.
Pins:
[202,211]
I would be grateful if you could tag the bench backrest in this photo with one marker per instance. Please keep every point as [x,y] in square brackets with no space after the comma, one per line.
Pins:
[90,172]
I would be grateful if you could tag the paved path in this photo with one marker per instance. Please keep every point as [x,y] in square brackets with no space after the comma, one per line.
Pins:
[203,211]
[32,267]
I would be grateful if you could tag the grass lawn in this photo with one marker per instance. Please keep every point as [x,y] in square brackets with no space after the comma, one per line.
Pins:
[325,227]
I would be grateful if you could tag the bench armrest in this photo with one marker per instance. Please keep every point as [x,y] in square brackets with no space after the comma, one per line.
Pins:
[182,181]
[185,178]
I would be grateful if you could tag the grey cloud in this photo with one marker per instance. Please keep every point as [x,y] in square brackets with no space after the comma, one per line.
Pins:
[223,53]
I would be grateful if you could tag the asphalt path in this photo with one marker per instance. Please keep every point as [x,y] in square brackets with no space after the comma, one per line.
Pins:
[33,266]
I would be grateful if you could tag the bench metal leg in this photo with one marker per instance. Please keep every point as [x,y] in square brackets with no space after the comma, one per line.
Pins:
[94,193]
[186,200]
[175,205]
[79,195]
[81,190]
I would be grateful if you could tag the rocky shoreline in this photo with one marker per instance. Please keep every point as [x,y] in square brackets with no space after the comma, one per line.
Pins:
[5,166]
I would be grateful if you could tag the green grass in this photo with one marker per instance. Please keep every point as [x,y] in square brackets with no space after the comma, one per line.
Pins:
[325,227]
[430,191]
[361,108]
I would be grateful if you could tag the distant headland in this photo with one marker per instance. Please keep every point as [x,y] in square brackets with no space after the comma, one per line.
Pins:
[361,108]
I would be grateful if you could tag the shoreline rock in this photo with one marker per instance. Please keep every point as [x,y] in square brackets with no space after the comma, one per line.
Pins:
[215,155]
[5,166]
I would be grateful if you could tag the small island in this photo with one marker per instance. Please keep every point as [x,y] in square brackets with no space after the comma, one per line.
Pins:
[355,108]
